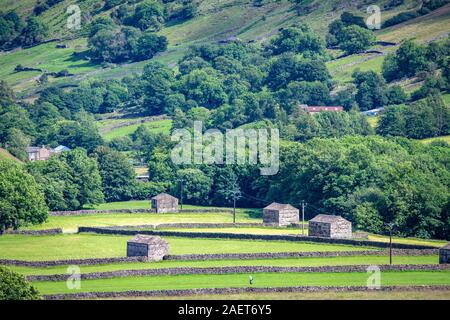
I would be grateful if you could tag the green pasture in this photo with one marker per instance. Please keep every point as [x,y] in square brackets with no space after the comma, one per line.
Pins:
[285,262]
[388,278]
[83,246]
[161,126]
[71,223]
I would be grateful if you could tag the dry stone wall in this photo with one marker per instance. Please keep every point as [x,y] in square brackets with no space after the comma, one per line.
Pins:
[208,291]
[216,235]
[236,270]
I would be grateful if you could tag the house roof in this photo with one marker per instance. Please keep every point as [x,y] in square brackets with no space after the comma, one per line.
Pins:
[163,196]
[447,246]
[33,149]
[326,218]
[141,238]
[280,206]
[61,148]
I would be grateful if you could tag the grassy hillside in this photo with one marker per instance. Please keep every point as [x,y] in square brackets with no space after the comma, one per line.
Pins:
[216,20]
[5,155]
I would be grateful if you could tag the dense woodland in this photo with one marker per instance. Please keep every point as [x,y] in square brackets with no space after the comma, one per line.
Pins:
[336,162]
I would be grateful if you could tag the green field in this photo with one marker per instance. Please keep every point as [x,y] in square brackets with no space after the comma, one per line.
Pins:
[443,138]
[285,262]
[241,280]
[160,126]
[71,223]
[324,295]
[82,246]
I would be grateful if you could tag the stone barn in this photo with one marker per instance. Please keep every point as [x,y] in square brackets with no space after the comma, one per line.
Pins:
[152,247]
[164,203]
[329,226]
[280,214]
[444,254]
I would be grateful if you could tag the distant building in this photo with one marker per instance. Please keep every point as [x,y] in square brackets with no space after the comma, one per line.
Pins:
[329,226]
[143,178]
[373,112]
[38,153]
[280,214]
[315,109]
[44,153]
[444,254]
[60,149]
[164,203]
[152,247]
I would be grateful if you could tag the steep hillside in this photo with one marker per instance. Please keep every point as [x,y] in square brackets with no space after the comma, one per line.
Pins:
[216,20]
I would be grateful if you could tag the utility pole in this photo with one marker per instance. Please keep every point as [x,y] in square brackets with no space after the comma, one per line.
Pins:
[181,192]
[390,228]
[234,207]
[304,204]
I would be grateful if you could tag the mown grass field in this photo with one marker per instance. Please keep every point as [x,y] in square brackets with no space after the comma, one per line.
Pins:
[325,295]
[288,262]
[241,281]
[161,126]
[82,246]
[71,223]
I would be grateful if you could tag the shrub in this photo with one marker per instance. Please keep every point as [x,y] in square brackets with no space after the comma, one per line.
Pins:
[13,286]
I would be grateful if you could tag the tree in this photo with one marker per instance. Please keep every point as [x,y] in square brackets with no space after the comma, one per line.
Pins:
[149,14]
[156,86]
[34,32]
[354,39]
[21,199]
[14,286]
[408,60]
[148,45]
[196,185]
[297,39]
[289,68]
[17,143]
[370,90]
[82,134]
[117,174]
[204,87]
[85,175]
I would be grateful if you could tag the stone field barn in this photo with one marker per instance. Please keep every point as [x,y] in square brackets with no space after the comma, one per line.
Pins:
[152,247]
[165,203]
[280,214]
[329,226]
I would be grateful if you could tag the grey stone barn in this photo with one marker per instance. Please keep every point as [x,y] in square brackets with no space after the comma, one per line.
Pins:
[444,254]
[152,247]
[164,203]
[280,214]
[329,226]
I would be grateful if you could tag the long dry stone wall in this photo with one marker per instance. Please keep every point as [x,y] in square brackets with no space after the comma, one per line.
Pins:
[216,235]
[116,211]
[45,232]
[221,256]
[208,291]
[236,269]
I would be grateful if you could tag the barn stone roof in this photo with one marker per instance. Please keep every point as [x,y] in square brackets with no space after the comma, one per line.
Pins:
[280,206]
[326,218]
[141,238]
[162,196]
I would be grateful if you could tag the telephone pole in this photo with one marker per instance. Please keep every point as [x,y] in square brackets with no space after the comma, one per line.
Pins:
[181,192]
[304,204]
